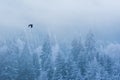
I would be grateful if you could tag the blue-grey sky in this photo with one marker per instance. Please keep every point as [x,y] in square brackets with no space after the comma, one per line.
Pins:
[63,17]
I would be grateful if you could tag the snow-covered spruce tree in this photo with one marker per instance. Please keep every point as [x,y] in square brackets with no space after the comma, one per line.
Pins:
[90,45]
[9,62]
[26,68]
[71,70]
[46,61]
[90,42]
[95,71]
[78,56]
[77,49]
[36,65]
[60,71]
[82,63]
[107,63]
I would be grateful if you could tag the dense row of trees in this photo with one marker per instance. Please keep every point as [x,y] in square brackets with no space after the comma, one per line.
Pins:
[20,59]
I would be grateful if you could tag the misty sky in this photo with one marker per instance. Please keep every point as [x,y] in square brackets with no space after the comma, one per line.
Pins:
[63,17]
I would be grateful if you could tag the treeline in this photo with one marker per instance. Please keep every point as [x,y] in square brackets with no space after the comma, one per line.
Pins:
[21,59]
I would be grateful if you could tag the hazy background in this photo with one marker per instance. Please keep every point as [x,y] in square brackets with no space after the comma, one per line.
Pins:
[65,18]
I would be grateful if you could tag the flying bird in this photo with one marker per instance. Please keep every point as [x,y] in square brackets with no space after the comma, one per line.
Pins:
[30,25]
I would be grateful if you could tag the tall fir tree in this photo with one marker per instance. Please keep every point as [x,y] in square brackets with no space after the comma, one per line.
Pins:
[46,58]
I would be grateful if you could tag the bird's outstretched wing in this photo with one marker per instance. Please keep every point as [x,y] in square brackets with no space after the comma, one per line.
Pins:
[30,25]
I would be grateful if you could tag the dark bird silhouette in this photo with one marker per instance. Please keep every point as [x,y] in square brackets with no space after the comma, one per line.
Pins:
[30,25]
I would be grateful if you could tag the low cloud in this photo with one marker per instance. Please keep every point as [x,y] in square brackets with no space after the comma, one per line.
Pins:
[76,15]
